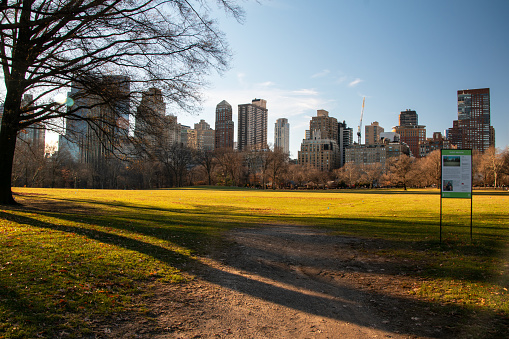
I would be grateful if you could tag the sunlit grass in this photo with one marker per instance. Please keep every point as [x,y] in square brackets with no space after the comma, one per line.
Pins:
[71,255]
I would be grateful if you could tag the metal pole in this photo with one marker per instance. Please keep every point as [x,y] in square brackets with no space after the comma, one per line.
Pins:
[470,217]
[441,184]
[471,194]
[440,215]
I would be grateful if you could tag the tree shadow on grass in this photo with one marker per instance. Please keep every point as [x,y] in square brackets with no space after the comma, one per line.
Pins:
[186,228]
[339,302]
[200,228]
[326,306]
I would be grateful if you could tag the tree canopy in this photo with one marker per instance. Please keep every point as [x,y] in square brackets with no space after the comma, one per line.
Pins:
[48,46]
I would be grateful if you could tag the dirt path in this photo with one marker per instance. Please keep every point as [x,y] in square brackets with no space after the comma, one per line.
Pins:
[291,282]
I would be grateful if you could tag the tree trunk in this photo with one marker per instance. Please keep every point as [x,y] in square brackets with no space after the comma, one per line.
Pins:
[209,173]
[7,146]
[14,85]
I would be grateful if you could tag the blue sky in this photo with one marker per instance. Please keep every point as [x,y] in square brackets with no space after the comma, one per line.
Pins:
[302,55]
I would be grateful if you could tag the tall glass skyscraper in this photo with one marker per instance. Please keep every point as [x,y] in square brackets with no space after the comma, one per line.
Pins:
[282,135]
[103,123]
[473,128]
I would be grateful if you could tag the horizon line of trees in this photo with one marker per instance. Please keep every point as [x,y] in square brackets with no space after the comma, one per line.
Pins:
[178,165]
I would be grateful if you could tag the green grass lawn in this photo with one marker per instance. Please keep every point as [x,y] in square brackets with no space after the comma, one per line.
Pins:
[70,256]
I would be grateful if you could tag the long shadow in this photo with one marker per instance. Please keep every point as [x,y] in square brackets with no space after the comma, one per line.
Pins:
[204,216]
[490,193]
[16,303]
[339,302]
[318,305]
[142,214]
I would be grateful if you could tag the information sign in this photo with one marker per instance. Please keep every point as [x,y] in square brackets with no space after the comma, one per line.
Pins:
[456,173]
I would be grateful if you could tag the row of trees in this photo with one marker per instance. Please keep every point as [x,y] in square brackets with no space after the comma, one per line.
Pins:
[178,165]
[489,169]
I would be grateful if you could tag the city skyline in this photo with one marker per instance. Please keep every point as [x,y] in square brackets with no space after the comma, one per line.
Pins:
[399,55]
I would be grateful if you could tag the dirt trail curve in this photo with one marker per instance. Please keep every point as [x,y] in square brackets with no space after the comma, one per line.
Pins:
[293,282]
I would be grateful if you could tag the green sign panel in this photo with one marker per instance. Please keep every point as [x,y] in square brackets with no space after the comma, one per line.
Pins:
[456,173]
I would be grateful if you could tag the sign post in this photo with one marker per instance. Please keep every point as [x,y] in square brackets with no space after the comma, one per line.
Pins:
[456,178]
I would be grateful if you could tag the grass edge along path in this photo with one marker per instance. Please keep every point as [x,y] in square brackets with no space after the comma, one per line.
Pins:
[71,256]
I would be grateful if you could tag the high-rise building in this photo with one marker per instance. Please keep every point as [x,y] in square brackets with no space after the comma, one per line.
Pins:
[150,120]
[224,126]
[319,153]
[183,134]
[345,139]
[252,130]
[322,149]
[35,135]
[282,135]
[408,118]
[328,126]
[102,123]
[372,133]
[410,131]
[203,137]
[473,128]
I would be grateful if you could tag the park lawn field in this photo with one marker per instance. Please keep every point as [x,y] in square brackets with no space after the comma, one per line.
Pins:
[70,256]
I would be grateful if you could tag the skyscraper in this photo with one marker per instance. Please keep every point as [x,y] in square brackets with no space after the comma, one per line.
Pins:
[408,118]
[252,130]
[150,117]
[224,125]
[203,137]
[328,126]
[372,133]
[345,139]
[322,149]
[410,131]
[282,135]
[473,128]
[103,120]
[35,135]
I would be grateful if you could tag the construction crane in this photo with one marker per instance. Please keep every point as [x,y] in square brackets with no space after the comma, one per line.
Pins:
[360,123]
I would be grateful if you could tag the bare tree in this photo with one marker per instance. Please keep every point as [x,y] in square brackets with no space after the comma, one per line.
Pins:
[208,161]
[231,165]
[350,174]
[294,175]
[258,162]
[372,173]
[504,169]
[47,46]
[278,164]
[431,168]
[29,163]
[491,163]
[315,177]
[177,159]
[400,170]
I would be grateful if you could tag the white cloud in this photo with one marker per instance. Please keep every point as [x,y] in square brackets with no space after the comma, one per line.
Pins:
[305,91]
[341,79]
[321,74]
[265,84]
[355,82]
